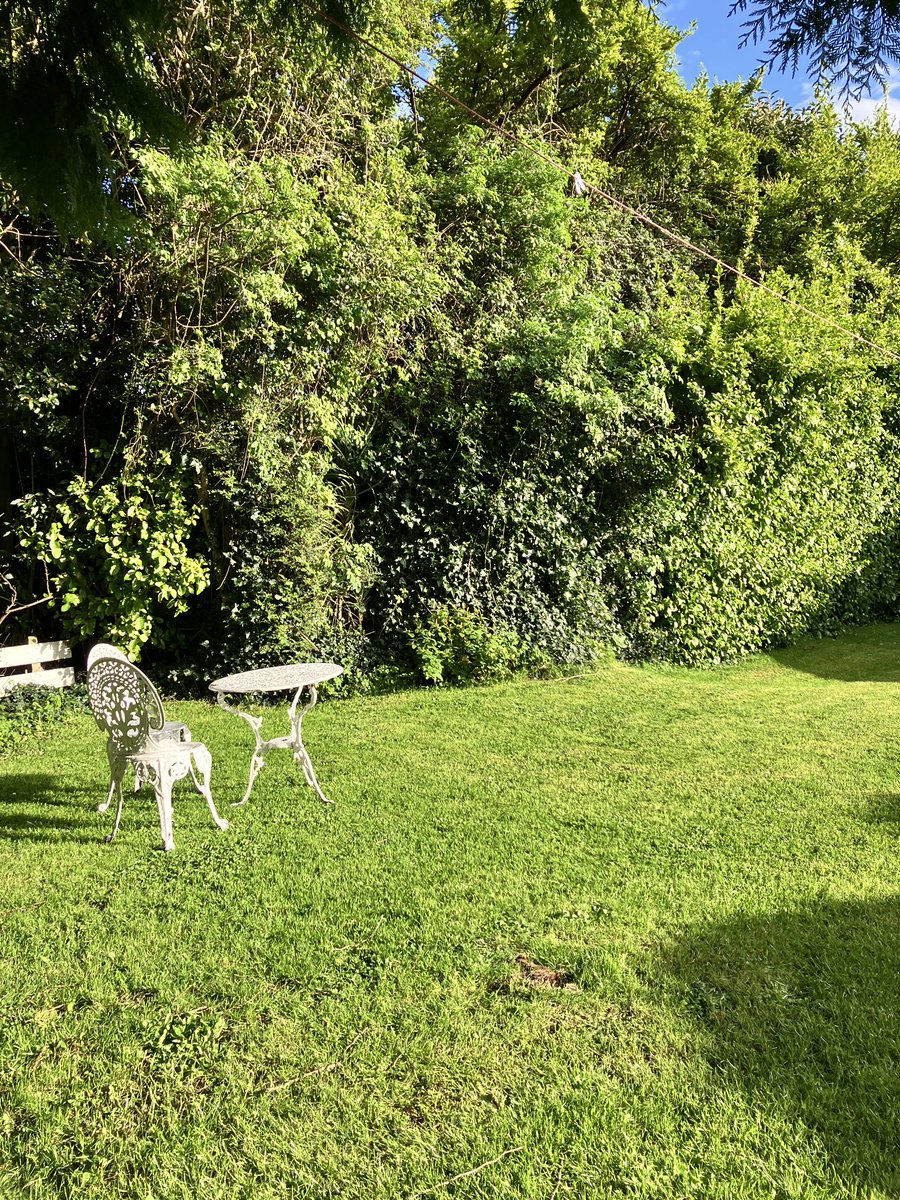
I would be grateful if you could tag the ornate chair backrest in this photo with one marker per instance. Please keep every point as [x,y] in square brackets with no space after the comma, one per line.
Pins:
[124,702]
[104,650]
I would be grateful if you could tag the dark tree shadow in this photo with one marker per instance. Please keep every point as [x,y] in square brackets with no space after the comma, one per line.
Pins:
[867,655]
[16,790]
[802,1011]
[34,807]
[884,809]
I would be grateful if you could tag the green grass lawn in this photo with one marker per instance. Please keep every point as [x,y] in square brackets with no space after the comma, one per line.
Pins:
[327,1003]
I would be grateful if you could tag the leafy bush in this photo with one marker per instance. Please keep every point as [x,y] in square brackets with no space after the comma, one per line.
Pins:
[27,711]
[455,646]
[116,552]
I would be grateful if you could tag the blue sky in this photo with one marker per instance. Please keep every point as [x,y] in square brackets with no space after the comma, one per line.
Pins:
[715,45]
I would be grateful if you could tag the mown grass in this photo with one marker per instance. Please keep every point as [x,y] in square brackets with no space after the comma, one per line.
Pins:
[326,1002]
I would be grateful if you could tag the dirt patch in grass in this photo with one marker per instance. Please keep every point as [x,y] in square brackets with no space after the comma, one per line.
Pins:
[532,974]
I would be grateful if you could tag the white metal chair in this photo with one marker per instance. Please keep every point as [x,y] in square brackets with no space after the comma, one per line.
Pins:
[176,730]
[127,707]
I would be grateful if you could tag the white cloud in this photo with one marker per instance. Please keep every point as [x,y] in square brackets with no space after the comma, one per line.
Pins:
[866,108]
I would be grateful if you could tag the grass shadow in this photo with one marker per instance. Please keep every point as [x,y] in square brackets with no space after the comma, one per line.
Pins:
[867,655]
[24,799]
[16,790]
[884,809]
[27,827]
[801,1010]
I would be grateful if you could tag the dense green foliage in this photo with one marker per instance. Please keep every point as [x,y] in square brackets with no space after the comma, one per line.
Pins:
[83,81]
[360,378]
[27,711]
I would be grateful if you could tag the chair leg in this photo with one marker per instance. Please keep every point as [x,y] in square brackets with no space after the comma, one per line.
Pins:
[202,761]
[117,786]
[200,785]
[116,771]
[108,801]
[163,789]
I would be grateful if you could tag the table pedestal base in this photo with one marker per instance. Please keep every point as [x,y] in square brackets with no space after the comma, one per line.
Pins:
[293,742]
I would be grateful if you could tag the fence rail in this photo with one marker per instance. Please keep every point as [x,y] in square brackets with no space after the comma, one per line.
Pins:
[33,656]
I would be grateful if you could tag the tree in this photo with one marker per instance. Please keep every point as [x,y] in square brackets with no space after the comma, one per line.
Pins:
[74,71]
[67,70]
[849,42]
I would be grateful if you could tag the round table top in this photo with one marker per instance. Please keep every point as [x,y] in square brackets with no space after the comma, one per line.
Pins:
[277,679]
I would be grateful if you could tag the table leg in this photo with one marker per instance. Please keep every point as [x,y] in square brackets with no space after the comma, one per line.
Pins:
[293,742]
[301,755]
[258,759]
[257,762]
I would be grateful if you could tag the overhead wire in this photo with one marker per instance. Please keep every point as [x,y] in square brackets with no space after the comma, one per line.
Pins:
[587,187]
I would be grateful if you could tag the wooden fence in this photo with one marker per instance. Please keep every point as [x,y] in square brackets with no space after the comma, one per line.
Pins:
[47,664]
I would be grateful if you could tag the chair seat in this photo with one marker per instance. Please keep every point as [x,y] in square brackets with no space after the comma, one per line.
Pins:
[165,749]
[176,730]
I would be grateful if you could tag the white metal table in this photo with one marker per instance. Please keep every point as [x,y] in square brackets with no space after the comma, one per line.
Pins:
[294,678]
